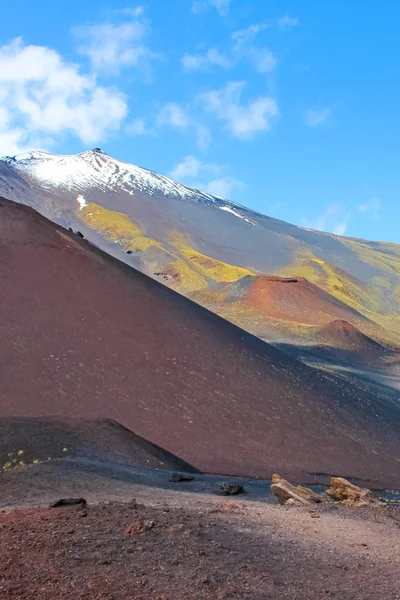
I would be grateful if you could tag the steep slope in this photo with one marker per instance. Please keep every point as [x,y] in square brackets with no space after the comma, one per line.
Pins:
[85,335]
[289,299]
[35,440]
[183,238]
[342,335]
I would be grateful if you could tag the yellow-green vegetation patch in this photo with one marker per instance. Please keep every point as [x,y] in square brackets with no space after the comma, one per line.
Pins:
[332,280]
[206,265]
[16,460]
[116,227]
[189,279]
[385,257]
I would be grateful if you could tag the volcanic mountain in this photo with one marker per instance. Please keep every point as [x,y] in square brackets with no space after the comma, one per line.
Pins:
[87,336]
[199,245]
[343,335]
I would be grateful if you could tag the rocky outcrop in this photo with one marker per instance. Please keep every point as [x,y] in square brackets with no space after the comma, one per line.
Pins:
[347,493]
[287,493]
[341,491]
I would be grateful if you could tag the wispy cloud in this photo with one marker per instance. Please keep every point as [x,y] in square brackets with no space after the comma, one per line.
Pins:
[207,177]
[222,6]
[202,62]
[242,120]
[174,115]
[315,118]
[243,47]
[222,186]
[137,127]
[192,167]
[372,207]
[262,58]
[286,23]
[112,46]
[335,219]
[203,136]
[242,37]
[183,118]
[43,96]
[340,229]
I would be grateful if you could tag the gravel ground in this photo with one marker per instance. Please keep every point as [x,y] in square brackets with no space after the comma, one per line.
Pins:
[188,546]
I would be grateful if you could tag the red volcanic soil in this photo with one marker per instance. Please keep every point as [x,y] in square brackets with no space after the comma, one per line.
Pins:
[199,551]
[341,334]
[289,298]
[85,336]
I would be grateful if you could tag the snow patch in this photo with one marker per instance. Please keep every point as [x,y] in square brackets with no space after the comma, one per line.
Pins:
[235,212]
[81,201]
[96,170]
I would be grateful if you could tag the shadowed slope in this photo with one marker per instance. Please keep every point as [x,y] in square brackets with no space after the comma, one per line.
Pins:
[86,336]
[41,439]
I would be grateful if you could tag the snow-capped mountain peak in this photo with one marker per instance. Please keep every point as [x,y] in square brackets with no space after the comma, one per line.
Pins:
[96,170]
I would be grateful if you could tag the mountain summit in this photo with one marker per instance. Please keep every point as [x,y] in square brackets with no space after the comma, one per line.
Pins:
[212,250]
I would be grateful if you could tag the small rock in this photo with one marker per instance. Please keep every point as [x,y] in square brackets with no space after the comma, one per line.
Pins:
[231,489]
[68,502]
[139,527]
[177,477]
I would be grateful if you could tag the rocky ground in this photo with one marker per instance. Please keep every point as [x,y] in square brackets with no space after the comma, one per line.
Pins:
[182,541]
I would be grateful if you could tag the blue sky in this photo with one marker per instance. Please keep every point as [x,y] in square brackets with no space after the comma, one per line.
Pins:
[288,107]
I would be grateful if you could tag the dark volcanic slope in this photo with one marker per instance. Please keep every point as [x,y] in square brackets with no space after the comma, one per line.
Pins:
[40,439]
[85,336]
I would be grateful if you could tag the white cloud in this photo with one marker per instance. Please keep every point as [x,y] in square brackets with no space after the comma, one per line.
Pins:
[42,96]
[242,37]
[203,136]
[197,174]
[189,167]
[243,47]
[198,62]
[243,121]
[262,58]
[222,187]
[222,6]
[372,207]
[335,219]
[192,167]
[174,115]
[340,229]
[137,127]
[111,46]
[285,23]
[314,118]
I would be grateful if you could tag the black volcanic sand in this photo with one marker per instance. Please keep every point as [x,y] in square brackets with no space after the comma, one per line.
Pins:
[37,440]
[83,335]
